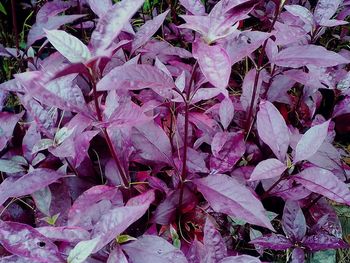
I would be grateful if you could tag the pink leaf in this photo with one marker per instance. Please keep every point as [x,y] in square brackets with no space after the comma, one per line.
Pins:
[100,7]
[299,56]
[8,122]
[311,141]
[214,63]
[117,255]
[24,241]
[266,169]
[325,10]
[64,233]
[272,129]
[226,195]
[194,6]
[324,182]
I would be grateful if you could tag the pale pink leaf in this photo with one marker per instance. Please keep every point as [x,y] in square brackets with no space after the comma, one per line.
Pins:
[194,6]
[268,168]
[226,112]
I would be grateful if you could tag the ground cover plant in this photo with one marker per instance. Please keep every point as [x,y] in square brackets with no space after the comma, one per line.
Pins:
[149,131]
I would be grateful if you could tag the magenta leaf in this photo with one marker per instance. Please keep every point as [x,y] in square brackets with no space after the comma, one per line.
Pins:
[8,122]
[115,221]
[111,24]
[136,77]
[213,62]
[240,259]
[311,141]
[24,241]
[324,182]
[148,249]
[272,129]
[227,149]
[323,241]
[28,183]
[226,195]
[213,243]
[152,143]
[273,241]
[293,221]
[299,56]
[226,112]
[148,30]
[268,168]
[69,46]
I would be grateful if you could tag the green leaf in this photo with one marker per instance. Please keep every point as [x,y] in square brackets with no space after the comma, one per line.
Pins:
[124,238]
[326,256]
[2,9]
[82,250]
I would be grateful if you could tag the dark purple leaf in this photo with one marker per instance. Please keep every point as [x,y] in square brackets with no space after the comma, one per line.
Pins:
[293,221]
[226,195]
[273,241]
[324,182]
[153,249]
[213,243]
[24,241]
[28,183]
[324,241]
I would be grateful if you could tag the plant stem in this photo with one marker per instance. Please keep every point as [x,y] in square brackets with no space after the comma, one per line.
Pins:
[184,158]
[259,67]
[109,142]
[14,24]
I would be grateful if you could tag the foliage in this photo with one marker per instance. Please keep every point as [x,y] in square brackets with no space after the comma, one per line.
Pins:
[174,131]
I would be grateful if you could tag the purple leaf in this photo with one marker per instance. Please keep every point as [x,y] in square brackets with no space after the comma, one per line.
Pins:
[323,241]
[100,7]
[28,183]
[227,149]
[325,10]
[114,222]
[324,182]
[273,241]
[117,255]
[213,243]
[268,168]
[92,204]
[226,195]
[136,77]
[240,259]
[272,129]
[303,13]
[193,6]
[298,255]
[24,241]
[147,249]
[247,89]
[8,122]
[299,56]
[69,46]
[226,112]
[213,62]
[10,166]
[147,31]
[311,141]
[293,221]
[111,24]
[64,233]
[152,143]
[15,259]
[196,252]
